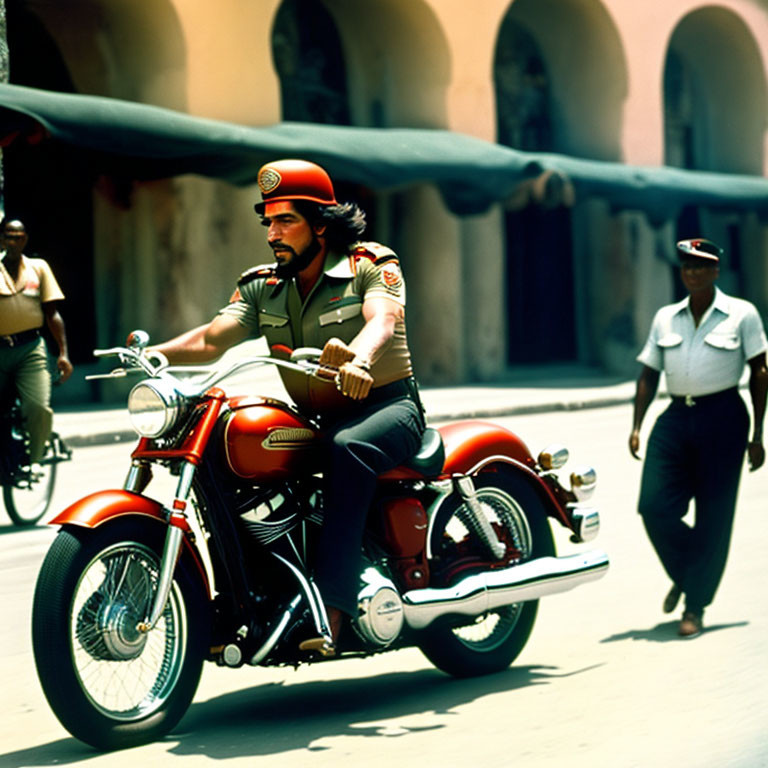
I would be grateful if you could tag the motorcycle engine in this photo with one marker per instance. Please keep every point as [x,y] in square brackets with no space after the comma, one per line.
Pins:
[380,609]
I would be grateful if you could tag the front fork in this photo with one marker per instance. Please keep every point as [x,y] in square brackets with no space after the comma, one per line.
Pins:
[178,526]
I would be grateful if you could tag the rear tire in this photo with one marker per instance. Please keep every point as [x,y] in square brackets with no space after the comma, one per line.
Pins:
[490,642]
[109,685]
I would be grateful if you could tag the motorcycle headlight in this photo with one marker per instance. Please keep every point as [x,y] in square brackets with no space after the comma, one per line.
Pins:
[154,407]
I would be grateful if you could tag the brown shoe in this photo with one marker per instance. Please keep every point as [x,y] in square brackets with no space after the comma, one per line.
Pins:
[672,599]
[691,625]
[320,644]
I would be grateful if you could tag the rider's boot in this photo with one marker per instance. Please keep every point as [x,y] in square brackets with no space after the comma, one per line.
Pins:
[320,644]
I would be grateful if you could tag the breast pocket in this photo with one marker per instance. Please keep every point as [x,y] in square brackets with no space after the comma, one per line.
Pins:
[271,320]
[340,314]
[670,340]
[275,328]
[726,341]
[343,321]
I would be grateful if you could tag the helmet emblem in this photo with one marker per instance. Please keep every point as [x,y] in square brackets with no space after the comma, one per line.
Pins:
[269,179]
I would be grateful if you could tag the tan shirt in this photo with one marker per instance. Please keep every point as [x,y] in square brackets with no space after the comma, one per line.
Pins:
[21,301]
[333,309]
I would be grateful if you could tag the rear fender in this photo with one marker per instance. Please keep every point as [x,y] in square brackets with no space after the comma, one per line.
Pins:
[480,446]
[98,508]
[472,445]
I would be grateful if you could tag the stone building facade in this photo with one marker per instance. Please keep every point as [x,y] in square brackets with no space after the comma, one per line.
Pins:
[544,277]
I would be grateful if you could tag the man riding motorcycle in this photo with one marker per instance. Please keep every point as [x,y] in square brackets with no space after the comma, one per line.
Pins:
[329,290]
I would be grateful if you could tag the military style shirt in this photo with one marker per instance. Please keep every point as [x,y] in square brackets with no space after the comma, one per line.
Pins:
[708,359]
[272,307]
[21,300]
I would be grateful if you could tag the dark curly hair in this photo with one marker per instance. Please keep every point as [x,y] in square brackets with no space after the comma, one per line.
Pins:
[344,223]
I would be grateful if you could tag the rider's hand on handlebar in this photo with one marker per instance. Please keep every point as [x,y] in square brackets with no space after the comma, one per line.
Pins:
[335,353]
[354,381]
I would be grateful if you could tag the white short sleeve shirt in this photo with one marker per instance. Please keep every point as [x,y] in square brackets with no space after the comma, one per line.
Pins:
[707,359]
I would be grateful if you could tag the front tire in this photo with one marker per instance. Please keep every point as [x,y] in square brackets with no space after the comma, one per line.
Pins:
[490,642]
[109,685]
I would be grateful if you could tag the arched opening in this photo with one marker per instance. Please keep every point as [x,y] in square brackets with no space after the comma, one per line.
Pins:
[309,60]
[715,95]
[48,187]
[715,112]
[123,49]
[310,63]
[539,290]
[559,88]
[523,98]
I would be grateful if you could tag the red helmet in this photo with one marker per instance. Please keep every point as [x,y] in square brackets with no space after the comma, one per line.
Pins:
[294,180]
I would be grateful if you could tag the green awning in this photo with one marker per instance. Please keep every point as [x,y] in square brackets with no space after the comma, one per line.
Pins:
[143,142]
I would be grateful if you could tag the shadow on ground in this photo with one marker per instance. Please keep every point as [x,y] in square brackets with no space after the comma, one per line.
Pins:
[275,718]
[667,632]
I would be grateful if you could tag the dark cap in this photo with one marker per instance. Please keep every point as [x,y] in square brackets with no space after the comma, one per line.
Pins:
[699,248]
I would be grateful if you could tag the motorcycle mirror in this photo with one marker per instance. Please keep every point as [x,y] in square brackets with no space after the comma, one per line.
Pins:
[138,339]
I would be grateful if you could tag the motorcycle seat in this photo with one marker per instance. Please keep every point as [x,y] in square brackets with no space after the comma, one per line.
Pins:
[431,456]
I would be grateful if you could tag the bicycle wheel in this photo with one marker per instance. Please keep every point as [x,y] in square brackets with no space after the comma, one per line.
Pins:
[27,499]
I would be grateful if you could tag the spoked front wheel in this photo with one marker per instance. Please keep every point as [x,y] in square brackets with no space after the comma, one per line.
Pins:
[492,641]
[111,685]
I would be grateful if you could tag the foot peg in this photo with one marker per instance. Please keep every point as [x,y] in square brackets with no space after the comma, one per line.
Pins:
[320,645]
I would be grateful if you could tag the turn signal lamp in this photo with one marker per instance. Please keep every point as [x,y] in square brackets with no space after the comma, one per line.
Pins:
[583,482]
[553,457]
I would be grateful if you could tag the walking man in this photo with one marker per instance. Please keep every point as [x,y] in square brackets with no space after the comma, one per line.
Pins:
[696,447]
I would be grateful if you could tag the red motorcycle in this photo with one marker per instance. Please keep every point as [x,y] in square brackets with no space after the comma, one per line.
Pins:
[134,594]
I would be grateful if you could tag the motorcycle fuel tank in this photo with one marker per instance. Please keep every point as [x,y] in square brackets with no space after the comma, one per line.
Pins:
[265,439]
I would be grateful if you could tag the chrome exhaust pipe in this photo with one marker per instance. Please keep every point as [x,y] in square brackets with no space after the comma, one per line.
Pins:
[485,591]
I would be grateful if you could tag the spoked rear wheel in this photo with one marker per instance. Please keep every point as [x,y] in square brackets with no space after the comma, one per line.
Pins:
[492,641]
[27,499]
[111,685]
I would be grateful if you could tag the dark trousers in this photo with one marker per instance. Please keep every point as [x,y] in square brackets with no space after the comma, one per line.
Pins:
[697,453]
[378,438]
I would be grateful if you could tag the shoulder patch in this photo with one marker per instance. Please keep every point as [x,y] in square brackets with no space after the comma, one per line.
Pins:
[391,275]
[266,271]
[376,252]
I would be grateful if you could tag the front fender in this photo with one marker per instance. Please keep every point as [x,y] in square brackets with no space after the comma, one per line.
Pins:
[91,511]
[101,507]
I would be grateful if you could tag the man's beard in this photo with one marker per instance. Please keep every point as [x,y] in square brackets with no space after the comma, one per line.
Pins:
[299,262]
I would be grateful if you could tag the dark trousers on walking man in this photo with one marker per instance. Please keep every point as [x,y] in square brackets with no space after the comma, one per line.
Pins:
[695,454]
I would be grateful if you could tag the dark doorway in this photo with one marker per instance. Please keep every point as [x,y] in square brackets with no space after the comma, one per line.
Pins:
[308,57]
[309,60]
[540,301]
[49,187]
[540,306]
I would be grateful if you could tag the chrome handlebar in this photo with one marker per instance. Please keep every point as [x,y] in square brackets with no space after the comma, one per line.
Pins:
[136,358]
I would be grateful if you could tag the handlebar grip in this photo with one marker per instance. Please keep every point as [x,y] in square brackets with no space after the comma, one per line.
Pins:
[326,372]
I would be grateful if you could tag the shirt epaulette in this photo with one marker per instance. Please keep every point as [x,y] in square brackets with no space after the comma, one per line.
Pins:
[376,252]
[267,271]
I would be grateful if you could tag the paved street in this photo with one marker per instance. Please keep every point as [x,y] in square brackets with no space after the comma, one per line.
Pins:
[604,680]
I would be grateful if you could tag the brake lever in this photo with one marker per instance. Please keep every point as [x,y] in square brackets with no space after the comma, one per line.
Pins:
[117,373]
